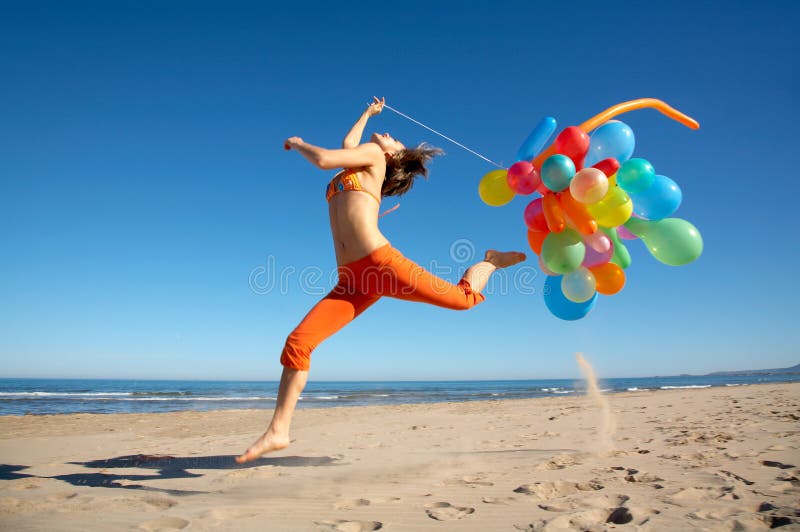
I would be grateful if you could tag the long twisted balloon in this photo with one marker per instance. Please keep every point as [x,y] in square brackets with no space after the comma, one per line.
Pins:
[619,109]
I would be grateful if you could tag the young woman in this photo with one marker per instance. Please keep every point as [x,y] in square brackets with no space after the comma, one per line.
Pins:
[368,266]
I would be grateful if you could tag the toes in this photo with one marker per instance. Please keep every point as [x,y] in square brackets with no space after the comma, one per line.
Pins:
[248,455]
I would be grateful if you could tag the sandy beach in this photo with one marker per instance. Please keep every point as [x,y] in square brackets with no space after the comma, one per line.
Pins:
[707,459]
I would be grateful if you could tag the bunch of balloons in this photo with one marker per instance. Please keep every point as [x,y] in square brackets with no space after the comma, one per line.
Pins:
[592,196]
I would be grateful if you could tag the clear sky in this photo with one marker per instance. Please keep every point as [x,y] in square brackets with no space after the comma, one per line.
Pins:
[145,198]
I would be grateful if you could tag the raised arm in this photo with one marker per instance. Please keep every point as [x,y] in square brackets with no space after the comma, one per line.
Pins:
[353,137]
[367,154]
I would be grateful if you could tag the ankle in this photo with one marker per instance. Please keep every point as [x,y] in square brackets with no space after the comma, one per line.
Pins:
[278,429]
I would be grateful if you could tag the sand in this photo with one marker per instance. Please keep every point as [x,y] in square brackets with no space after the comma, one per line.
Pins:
[701,459]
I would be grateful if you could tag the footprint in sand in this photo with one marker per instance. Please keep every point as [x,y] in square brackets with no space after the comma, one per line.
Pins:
[498,500]
[598,501]
[342,525]
[226,514]
[634,475]
[165,523]
[770,463]
[560,461]
[777,516]
[585,520]
[559,488]
[471,481]
[694,495]
[444,511]
[351,504]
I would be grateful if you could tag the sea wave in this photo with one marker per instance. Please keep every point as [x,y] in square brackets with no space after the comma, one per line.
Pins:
[319,398]
[254,398]
[685,387]
[165,394]
[64,394]
[116,397]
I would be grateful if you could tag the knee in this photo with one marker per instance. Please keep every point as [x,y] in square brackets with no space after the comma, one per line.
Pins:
[296,353]
[463,304]
[469,298]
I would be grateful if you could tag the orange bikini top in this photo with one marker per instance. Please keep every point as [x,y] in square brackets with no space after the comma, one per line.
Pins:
[344,181]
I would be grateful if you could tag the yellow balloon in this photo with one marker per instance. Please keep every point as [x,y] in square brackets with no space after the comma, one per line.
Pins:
[494,190]
[614,209]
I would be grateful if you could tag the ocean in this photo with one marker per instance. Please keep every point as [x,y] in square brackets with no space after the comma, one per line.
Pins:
[69,396]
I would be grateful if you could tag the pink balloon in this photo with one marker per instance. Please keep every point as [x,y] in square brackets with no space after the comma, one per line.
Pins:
[625,234]
[598,241]
[523,178]
[595,258]
[589,186]
[534,216]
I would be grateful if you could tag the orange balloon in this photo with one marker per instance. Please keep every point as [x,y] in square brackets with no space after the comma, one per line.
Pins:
[553,213]
[609,278]
[617,110]
[536,239]
[578,213]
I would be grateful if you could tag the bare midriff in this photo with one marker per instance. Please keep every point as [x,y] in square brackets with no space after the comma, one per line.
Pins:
[354,222]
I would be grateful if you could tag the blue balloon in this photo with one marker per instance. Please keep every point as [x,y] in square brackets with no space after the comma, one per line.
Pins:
[560,306]
[613,139]
[557,171]
[659,201]
[537,139]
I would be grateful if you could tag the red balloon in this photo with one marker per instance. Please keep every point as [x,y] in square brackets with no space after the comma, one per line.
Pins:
[534,216]
[608,166]
[523,178]
[574,143]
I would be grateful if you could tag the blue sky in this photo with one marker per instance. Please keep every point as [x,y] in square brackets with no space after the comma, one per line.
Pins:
[143,184]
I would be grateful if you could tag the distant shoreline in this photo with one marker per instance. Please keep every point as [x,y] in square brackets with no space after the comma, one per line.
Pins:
[577,393]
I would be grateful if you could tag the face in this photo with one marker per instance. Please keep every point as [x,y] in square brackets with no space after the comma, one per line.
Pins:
[387,143]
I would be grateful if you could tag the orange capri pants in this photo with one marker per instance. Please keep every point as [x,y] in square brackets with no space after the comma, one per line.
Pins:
[384,272]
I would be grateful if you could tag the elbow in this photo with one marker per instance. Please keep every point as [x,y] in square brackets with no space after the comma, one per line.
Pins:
[323,161]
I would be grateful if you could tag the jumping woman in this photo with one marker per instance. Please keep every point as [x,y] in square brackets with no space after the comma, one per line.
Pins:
[368,266]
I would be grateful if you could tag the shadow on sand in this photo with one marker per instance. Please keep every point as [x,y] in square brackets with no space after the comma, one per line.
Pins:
[168,467]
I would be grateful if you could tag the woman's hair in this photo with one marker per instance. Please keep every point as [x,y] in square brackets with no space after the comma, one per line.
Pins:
[403,167]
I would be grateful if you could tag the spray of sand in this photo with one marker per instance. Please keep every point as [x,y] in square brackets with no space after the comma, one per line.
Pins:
[607,423]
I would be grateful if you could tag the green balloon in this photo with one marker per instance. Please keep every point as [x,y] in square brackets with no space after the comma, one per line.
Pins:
[621,256]
[636,175]
[672,241]
[563,252]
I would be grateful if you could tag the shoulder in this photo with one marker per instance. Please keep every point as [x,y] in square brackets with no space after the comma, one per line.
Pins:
[372,149]
[377,168]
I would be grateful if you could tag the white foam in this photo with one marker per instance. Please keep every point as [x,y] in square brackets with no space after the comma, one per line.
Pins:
[63,394]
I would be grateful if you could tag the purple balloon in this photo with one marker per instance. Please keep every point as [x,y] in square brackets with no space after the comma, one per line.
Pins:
[593,258]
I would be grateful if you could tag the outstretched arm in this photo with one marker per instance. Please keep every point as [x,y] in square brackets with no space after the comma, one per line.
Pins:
[353,137]
[367,154]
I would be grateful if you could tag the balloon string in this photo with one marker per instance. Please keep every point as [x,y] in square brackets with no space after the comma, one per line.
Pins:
[444,136]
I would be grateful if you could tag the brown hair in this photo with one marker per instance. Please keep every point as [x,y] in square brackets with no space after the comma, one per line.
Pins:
[404,166]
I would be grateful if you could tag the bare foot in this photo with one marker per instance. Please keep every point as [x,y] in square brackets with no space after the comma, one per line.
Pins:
[504,259]
[267,443]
